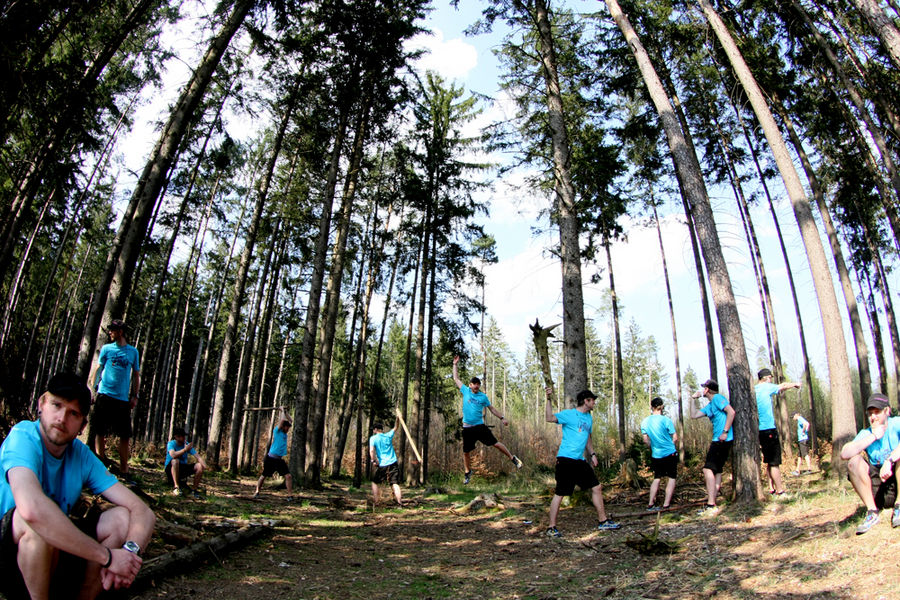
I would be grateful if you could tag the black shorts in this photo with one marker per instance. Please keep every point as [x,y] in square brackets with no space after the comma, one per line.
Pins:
[885,492]
[185,470]
[717,456]
[112,417]
[477,433]
[804,449]
[390,473]
[667,466]
[69,574]
[571,472]
[771,447]
[273,464]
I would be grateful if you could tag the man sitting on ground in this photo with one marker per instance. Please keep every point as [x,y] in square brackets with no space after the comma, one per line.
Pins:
[44,467]
[873,476]
[177,466]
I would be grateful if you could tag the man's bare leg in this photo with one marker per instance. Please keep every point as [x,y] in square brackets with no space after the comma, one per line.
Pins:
[35,558]
[858,470]
[124,454]
[112,529]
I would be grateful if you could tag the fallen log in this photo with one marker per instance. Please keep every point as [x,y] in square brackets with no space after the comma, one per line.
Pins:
[185,559]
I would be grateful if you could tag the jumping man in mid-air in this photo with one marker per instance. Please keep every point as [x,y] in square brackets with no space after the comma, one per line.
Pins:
[474,429]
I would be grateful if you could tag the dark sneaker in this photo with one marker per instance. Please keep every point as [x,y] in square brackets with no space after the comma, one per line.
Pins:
[870,521]
[255,495]
[895,516]
[653,508]
[517,461]
[607,524]
[553,532]
[196,495]
[290,498]
[467,478]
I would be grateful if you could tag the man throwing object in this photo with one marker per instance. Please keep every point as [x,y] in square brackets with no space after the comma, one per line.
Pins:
[381,451]
[43,553]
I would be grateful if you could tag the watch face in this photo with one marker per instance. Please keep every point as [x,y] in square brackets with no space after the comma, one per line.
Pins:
[132,547]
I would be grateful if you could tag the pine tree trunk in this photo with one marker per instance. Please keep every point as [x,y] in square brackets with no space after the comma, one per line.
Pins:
[883,26]
[619,386]
[115,283]
[574,353]
[746,448]
[843,427]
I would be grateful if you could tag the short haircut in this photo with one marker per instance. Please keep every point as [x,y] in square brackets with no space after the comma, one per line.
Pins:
[475,380]
[584,395]
[178,431]
[656,402]
[377,425]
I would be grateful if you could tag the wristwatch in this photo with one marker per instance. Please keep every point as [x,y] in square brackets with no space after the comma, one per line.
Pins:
[132,547]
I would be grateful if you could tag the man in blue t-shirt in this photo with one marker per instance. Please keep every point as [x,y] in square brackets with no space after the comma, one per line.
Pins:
[274,461]
[44,468]
[721,413]
[118,367]
[871,457]
[178,468]
[571,467]
[381,451]
[474,429]
[769,442]
[802,443]
[658,431]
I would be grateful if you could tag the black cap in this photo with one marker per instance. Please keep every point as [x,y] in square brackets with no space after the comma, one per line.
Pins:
[711,384]
[763,373]
[879,401]
[71,387]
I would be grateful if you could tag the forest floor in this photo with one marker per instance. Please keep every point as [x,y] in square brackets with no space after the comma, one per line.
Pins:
[332,544]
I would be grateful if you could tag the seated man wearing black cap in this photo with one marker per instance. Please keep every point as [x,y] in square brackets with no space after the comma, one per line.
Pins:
[721,413]
[873,476]
[43,553]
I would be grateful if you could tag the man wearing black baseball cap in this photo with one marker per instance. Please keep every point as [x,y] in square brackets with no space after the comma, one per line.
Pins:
[44,467]
[721,413]
[872,475]
[769,442]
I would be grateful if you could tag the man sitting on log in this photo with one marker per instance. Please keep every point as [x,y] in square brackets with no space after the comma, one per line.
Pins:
[44,553]
[178,468]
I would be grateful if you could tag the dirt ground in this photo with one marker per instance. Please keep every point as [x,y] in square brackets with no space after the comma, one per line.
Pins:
[329,544]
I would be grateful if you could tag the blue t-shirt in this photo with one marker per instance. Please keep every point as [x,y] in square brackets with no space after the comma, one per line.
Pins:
[474,404]
[879,450]
[765,392]
[174,445]
[279,443]
[715,410]
[62,479]
[576,429]
[660,429]
[802,428]
[117,363]
[384,447]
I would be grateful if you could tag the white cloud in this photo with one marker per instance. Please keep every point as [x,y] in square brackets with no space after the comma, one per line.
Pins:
[453,59]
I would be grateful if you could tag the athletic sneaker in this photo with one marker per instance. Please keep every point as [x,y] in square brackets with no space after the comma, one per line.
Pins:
[255,495]
[795,473]
[177,492]
[608,524]
[709,509]
[653,508]
[196,495]
[467,478]
[553,532]
[290,498]
[870,521]
[517,461]
[895,516]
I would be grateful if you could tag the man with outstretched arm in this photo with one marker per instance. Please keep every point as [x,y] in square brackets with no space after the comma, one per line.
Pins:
[571,467]
[872,474]
[43,553]
[381,451]
[659,433]
[274,461]
[474,429]
[769,441]
[721,413]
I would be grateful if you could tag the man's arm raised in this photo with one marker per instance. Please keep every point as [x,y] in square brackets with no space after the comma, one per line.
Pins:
[548,408]
[456,378]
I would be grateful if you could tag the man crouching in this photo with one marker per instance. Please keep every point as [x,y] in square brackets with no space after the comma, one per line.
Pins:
[43,553]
